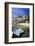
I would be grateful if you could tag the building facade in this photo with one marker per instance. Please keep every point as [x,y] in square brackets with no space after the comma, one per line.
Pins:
[22,19]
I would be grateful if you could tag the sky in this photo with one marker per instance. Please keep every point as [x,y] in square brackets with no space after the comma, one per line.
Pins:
[20,11]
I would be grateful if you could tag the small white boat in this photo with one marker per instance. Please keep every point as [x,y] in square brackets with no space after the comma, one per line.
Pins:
[17,31]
